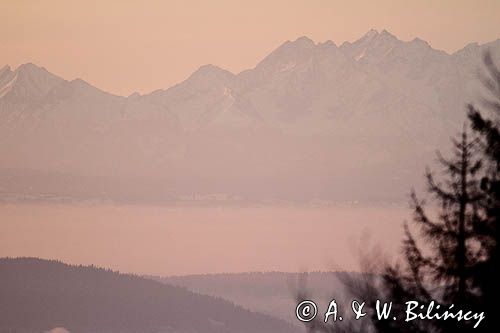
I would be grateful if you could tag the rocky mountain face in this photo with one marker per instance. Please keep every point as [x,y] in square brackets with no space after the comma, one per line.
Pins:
[357,121]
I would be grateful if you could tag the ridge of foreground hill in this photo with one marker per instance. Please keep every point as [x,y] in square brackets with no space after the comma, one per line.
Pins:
[38,295]
[272,293]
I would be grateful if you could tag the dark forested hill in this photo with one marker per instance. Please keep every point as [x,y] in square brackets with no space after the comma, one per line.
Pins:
[38,295]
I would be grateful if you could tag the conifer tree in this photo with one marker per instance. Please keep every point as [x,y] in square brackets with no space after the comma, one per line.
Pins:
[440,252]
[439,265]
[451,255]
[486,123]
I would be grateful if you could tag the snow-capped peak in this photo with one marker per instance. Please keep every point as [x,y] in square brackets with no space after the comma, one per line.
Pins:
[291,51]
[304,41]
[371,44]
[421,42]
[210,71]
[370,34]
[26,83]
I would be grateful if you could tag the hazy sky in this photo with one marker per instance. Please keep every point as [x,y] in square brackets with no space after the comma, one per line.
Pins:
[137,45]
[195,240]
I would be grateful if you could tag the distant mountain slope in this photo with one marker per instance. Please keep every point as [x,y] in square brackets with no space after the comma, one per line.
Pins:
[357,121]
[39,295]
[271,293]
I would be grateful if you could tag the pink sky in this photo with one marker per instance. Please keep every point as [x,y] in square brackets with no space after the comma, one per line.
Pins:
[127,46]
[195,240]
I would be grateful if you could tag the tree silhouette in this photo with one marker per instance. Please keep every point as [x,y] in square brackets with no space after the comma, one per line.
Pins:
[439,265]
[486,124]
[458,262]
[443,269]
[462,263]
[454,259]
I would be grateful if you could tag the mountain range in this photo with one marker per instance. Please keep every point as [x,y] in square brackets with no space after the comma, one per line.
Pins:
[311,121]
